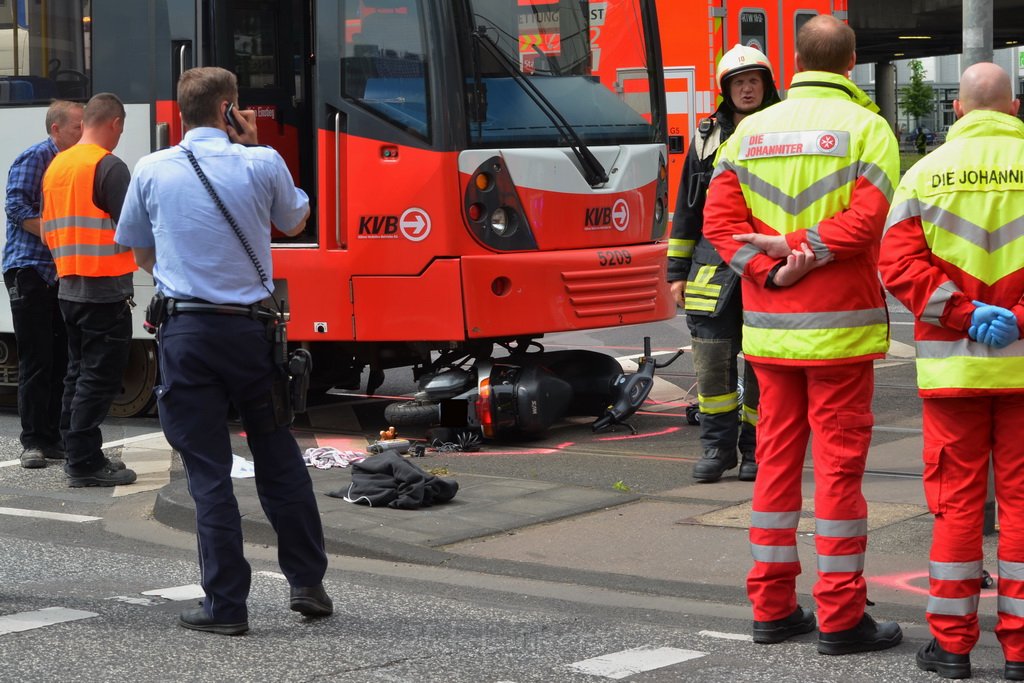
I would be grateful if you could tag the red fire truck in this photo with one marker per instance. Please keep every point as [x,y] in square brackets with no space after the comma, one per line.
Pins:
[695,34]
[482,172]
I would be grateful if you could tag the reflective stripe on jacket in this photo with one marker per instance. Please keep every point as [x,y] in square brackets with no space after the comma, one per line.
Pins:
[819,169]
[954,235]
[79,234]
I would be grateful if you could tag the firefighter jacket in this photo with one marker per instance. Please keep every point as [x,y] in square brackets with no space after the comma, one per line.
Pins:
[818,168]
[953,237]
[709,282]
[79,234]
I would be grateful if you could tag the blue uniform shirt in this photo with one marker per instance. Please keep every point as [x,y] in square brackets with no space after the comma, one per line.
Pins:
[24,200]
[198,255]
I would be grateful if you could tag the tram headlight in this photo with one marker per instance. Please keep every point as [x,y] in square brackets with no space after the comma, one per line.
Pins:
[501,224]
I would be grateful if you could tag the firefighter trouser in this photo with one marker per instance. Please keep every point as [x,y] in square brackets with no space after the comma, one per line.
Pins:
[959,436]
[716,343]
[834,404]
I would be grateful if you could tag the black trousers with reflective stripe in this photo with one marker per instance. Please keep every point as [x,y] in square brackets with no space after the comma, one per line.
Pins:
[717,341]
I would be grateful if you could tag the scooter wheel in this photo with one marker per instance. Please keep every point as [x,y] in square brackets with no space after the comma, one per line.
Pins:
[693,415]
[412,413]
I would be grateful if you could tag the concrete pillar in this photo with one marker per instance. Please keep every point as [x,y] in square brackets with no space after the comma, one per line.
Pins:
[977,32]
[885,91]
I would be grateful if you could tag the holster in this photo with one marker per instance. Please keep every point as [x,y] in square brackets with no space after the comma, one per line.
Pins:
[156,313]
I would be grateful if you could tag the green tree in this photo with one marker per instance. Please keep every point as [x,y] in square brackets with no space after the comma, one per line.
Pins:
[918,98]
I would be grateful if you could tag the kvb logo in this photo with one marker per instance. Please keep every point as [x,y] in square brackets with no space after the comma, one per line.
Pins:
[620,215]
[414,224]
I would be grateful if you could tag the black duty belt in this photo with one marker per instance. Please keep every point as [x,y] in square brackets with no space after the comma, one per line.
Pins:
[254,311]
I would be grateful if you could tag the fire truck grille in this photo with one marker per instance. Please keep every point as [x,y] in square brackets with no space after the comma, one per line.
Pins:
[612,291]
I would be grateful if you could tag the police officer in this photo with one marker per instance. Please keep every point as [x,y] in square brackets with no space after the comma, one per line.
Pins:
[951,256]
[706,289]
[796,206]
[214,346]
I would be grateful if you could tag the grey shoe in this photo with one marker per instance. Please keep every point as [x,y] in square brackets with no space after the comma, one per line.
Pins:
[32,459]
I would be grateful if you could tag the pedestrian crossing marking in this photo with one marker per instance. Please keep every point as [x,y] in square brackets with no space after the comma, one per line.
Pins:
[192,591]
[727,636]
[619,665]
[42,514]
[26,621]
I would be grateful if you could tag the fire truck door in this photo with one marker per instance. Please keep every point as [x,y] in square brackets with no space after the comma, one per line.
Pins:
[681,99]
[267,45]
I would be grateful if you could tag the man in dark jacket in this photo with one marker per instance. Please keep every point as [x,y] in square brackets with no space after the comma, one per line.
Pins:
[707,289]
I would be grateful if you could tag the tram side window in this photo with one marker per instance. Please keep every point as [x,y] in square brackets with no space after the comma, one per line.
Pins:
[384,66]
[255,37]
[44,50]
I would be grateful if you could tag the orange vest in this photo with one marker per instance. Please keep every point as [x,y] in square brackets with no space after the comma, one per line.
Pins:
[79,234]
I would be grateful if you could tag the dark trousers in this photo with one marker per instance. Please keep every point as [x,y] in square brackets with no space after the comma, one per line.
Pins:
[42,356]
[207,363]
[99,338]
[717,341]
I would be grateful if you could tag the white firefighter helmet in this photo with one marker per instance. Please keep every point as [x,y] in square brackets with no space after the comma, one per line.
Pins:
[741,58]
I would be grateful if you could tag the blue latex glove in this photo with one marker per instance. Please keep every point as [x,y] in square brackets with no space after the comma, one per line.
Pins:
[985,330]
[1001,333]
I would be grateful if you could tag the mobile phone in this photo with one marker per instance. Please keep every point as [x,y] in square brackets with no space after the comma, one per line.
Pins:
[229,118]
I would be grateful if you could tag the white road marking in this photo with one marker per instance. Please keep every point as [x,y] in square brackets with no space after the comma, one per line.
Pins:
[26,621]
[629,662]
[10,463]
[133,439]
[132,600]
[727,636]
[273,575]
[59,516]
[189,592]
[898,349]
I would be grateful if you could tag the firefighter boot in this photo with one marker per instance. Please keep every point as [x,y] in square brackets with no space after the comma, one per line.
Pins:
[748,465]
[714,463]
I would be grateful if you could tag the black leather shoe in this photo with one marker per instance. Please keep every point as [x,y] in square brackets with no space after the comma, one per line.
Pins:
[198,620]
[866,636]
[714,463]
[311,602]
[800,621]
[1014,671]
[748,466]
[931,657]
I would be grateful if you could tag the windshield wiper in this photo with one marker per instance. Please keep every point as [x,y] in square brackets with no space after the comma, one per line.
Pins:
[593,171]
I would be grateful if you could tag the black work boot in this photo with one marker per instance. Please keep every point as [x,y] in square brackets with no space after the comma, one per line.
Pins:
[714,463]
[866,636]
[748,466]
[800,621]
[931,657]
[1013,671]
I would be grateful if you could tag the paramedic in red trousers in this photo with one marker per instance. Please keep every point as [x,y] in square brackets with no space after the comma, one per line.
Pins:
[796,207]
[953,254]
[215,350]
[706,289]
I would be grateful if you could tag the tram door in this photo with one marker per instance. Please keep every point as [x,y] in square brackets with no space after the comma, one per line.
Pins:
[267,45]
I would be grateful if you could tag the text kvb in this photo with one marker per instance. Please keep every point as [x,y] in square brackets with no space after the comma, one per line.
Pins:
[378,225]
[599,216]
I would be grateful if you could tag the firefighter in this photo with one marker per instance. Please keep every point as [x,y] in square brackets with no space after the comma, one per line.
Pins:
[796,206]
[706,289]
[951,256]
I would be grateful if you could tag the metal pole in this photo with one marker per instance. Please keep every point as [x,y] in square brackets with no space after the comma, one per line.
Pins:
[977,32]
[885,91]
[978,48]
